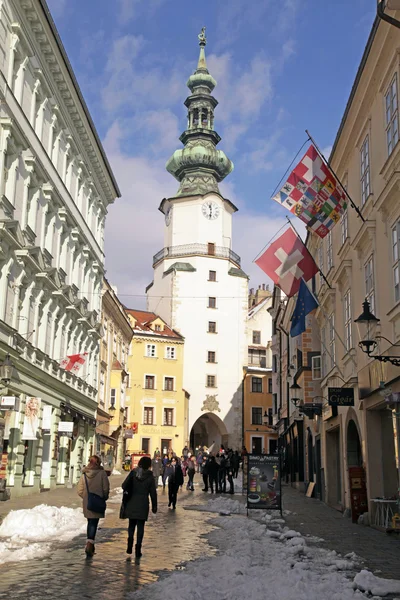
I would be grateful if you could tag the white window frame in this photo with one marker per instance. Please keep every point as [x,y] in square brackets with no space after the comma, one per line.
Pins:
[251,415]
[365,175]
[396,260]
[165,408]
[212,300]
[215,381]
[331,339]
[329,252]
[150,348]
[262,386]
[392,116]
[153,409]
[102,386]
[348,331]
[113,396]
[144,381]
[173,383]
[212,362]
[369,279]
[316,367]
[344,226]
[172,351]
[258,331]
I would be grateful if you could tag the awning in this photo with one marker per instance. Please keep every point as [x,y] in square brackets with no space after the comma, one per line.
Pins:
[77,415]
[106,439]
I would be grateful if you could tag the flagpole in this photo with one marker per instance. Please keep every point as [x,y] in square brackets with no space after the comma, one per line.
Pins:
[319,270]
[333,173]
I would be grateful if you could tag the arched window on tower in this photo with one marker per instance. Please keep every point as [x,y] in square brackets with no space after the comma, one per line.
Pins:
[196,117]
[204,120]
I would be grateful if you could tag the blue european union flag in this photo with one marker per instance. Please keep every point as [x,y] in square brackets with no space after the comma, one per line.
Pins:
[304,305]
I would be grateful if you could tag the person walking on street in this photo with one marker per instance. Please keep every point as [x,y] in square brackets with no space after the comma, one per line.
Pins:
[185,451]
[175,480]
[204,473]
[235,462]
[93,480]
[213,474]
[138,486]
[222,474]
[191,470]
[229,471]
[199,460]
[156,467]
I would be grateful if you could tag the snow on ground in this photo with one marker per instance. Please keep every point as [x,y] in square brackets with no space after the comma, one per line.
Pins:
[259,558]
[117,498]
[220,504]
[28,533]
[116,472]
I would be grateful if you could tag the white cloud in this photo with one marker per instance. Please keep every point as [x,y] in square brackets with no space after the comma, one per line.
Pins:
[129,9]
[57,8]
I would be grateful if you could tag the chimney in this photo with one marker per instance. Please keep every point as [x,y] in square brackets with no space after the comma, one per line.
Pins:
[263,287]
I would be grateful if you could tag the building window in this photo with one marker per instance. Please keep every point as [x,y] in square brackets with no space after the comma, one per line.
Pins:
[115,345]
[329,251]
[365,180]
[169,384]
[332,346]
[170,352]
[396,262]
[270,386]
[105,327]
[323,352]
[101,387]
[150,382]
[344,226]
[211,381]
[212,275]
[369,283]
[256,337]
[212,302]
[113,397]
[256,384]
[148,415]
[392,118]
[150,350]
[146,445]
[168,417]
[316,368]
[211,357]
[256,415]
[274,363]
[257,357]
[211,249]
[212,327]
[157,327]
[347,320]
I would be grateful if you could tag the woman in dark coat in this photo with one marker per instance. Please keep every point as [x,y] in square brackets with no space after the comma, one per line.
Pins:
[174,476]
[138,486]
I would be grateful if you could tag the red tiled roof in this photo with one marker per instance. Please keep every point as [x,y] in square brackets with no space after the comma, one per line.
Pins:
[144,319]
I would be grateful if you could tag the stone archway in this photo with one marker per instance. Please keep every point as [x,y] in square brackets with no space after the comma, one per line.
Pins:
[210,431]
[354,454]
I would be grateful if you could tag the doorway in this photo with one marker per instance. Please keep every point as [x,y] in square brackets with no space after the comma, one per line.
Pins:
[310,457]
[256,445]
[334,470]
[166,445]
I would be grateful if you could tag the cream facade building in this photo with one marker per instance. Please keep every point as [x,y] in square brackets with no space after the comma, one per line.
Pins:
[55,187]
[113,379]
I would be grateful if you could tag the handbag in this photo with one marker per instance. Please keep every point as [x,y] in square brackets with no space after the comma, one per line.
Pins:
[95,503]
[122,510]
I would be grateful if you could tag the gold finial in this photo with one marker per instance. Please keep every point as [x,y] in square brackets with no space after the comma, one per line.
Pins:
[202,37]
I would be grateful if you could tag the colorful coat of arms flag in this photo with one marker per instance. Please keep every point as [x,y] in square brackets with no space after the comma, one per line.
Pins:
[305,304]
[74,362]
[286,261]
[312,193]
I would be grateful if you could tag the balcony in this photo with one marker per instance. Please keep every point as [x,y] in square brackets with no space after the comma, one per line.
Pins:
[196,250]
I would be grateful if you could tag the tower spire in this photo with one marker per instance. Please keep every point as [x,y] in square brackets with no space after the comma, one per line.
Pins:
[199,166]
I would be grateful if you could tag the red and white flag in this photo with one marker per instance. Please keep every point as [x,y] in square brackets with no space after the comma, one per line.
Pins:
[286,261]
[74,362]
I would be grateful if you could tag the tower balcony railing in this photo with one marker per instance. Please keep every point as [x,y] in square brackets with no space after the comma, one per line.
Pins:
[196,250]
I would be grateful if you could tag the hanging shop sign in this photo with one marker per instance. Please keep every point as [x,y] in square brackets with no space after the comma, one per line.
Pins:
[66,428]
[9,403]
[341,396]
[264,482]
[31,418]
[46,419]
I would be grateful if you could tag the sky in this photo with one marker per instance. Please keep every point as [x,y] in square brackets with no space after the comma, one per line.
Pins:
[281,68]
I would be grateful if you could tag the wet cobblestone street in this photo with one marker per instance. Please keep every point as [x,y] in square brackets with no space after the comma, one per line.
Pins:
[171,537]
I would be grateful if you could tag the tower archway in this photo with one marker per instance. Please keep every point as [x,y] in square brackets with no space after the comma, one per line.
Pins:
[210,431]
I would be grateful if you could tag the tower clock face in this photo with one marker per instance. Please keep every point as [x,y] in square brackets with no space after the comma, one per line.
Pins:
[168,216]
[210,210]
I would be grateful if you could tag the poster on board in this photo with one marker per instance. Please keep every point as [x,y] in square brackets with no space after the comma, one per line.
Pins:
[264,482]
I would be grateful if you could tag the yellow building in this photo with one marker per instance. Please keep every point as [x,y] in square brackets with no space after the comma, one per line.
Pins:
[157,405]
[113,379]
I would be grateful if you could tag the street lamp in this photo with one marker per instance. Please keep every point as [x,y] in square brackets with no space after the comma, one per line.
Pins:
[367,329]
[6,371]
[391,5]
[295,394]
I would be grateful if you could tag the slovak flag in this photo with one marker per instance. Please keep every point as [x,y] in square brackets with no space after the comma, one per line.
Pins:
[286,261]
[74,362]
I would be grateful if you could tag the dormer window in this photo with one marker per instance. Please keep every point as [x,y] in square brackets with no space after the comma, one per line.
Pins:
[157,327]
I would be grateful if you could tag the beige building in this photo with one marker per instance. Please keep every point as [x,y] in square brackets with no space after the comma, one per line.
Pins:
[113,378]
[361,260]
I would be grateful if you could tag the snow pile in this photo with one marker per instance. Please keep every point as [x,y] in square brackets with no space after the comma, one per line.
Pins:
[117,498]
[27,533]
[116,472]
[367,582]
[221,504]
[258,563]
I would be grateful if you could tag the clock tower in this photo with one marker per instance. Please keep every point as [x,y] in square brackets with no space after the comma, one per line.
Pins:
[199,287]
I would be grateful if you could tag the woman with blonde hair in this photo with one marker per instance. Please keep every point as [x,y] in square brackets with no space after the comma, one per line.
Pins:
[93,488]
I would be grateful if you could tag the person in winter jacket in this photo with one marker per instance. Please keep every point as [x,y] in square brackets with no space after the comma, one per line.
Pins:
[156,467]
[94,479]
[138,486]
[235,462]
[191,470]
[204,472]
[175,480]
[222,474]
[213,467]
